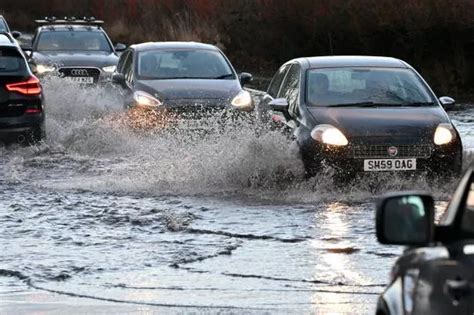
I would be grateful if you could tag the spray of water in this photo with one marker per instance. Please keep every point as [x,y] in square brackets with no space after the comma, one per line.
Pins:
[90,143]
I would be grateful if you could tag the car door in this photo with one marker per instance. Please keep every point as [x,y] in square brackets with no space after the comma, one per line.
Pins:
[446,285]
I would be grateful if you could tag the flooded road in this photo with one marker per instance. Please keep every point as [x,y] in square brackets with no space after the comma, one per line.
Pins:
[104,219]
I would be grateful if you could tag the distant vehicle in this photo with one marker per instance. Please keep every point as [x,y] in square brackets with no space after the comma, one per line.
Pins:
[77,49]
[187,80]
[435,274]
[363,114]
[21,97]
[4,28]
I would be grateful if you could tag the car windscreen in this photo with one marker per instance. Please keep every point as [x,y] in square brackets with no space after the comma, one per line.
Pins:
[11,63]
[73,41]
[3,26]
[379,86]
[183,64]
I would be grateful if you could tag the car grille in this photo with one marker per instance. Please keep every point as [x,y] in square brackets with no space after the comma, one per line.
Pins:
[80,72]
[382,151]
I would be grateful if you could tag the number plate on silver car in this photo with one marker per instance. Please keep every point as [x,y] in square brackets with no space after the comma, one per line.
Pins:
[379,165]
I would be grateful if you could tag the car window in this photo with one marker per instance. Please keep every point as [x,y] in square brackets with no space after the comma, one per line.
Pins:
[3,26]
[275,84]
[73,41]
[11,63]
[128,68]
[183,64]
[467,220]
[387,86]
[121,62]
[290,88]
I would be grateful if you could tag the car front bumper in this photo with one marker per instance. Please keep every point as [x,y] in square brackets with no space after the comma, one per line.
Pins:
[445,159]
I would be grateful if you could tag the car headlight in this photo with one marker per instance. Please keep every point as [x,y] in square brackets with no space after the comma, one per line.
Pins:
[444,134]
[243,101]
[144,99]
[329,134]
[109,68]
[41,69]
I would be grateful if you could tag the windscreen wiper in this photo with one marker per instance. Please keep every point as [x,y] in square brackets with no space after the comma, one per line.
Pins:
[418,104]
[360,104]
[224,76]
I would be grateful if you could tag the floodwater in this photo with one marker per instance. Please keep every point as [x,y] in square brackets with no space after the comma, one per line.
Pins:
[104,219]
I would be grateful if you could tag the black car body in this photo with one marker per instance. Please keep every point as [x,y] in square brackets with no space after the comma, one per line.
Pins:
[4,28]
[339,115]
[78,50]
[21,97]
[435,274]
[184,80]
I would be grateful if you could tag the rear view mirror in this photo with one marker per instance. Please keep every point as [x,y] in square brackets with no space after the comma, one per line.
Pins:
[16,34]
[120,47]
[279,105]
[245,78]
[118,78]
[405,219]
[447,102]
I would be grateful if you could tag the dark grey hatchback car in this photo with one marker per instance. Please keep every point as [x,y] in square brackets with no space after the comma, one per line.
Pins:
[362,114]
[183,81]
[435,274]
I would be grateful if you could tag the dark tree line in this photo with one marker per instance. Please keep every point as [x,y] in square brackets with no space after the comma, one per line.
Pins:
[436,36]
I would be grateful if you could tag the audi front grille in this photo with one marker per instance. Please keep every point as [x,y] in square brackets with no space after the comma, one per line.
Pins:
[80,72]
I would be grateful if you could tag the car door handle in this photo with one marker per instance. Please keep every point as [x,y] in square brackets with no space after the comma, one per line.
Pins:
[457,288]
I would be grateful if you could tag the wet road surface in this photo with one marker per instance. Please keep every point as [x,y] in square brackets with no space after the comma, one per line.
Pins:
[104,219]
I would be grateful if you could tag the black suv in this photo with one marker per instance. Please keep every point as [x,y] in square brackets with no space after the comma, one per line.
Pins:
[21,97]
[4,28]
[76,49]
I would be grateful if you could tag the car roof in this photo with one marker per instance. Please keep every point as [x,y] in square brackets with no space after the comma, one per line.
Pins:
[172,45]
[70,27]
[352,61]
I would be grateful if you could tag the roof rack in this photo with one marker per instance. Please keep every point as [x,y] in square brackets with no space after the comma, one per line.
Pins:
[70,20]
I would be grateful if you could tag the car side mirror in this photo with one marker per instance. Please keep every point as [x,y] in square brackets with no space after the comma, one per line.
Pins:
[120,47]
[16,34]
[405,219]
[245,78]
[279,105]
[27,50]
[118,78]
[447,102]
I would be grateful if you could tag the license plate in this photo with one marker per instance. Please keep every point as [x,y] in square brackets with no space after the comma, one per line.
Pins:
[380,165]
[193,124]
[84,80]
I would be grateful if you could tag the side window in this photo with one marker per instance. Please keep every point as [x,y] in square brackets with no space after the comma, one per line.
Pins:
[128,68]
[275,84]
[121,62]
[291,88]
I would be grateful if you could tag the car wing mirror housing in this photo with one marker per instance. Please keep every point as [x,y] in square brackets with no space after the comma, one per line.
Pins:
[279,105]
[16,34]
[447,102]
[118,78]
[120,47]
[405,219]
[245,78]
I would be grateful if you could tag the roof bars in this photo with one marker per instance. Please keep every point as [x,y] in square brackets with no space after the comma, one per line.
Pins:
[51,20]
